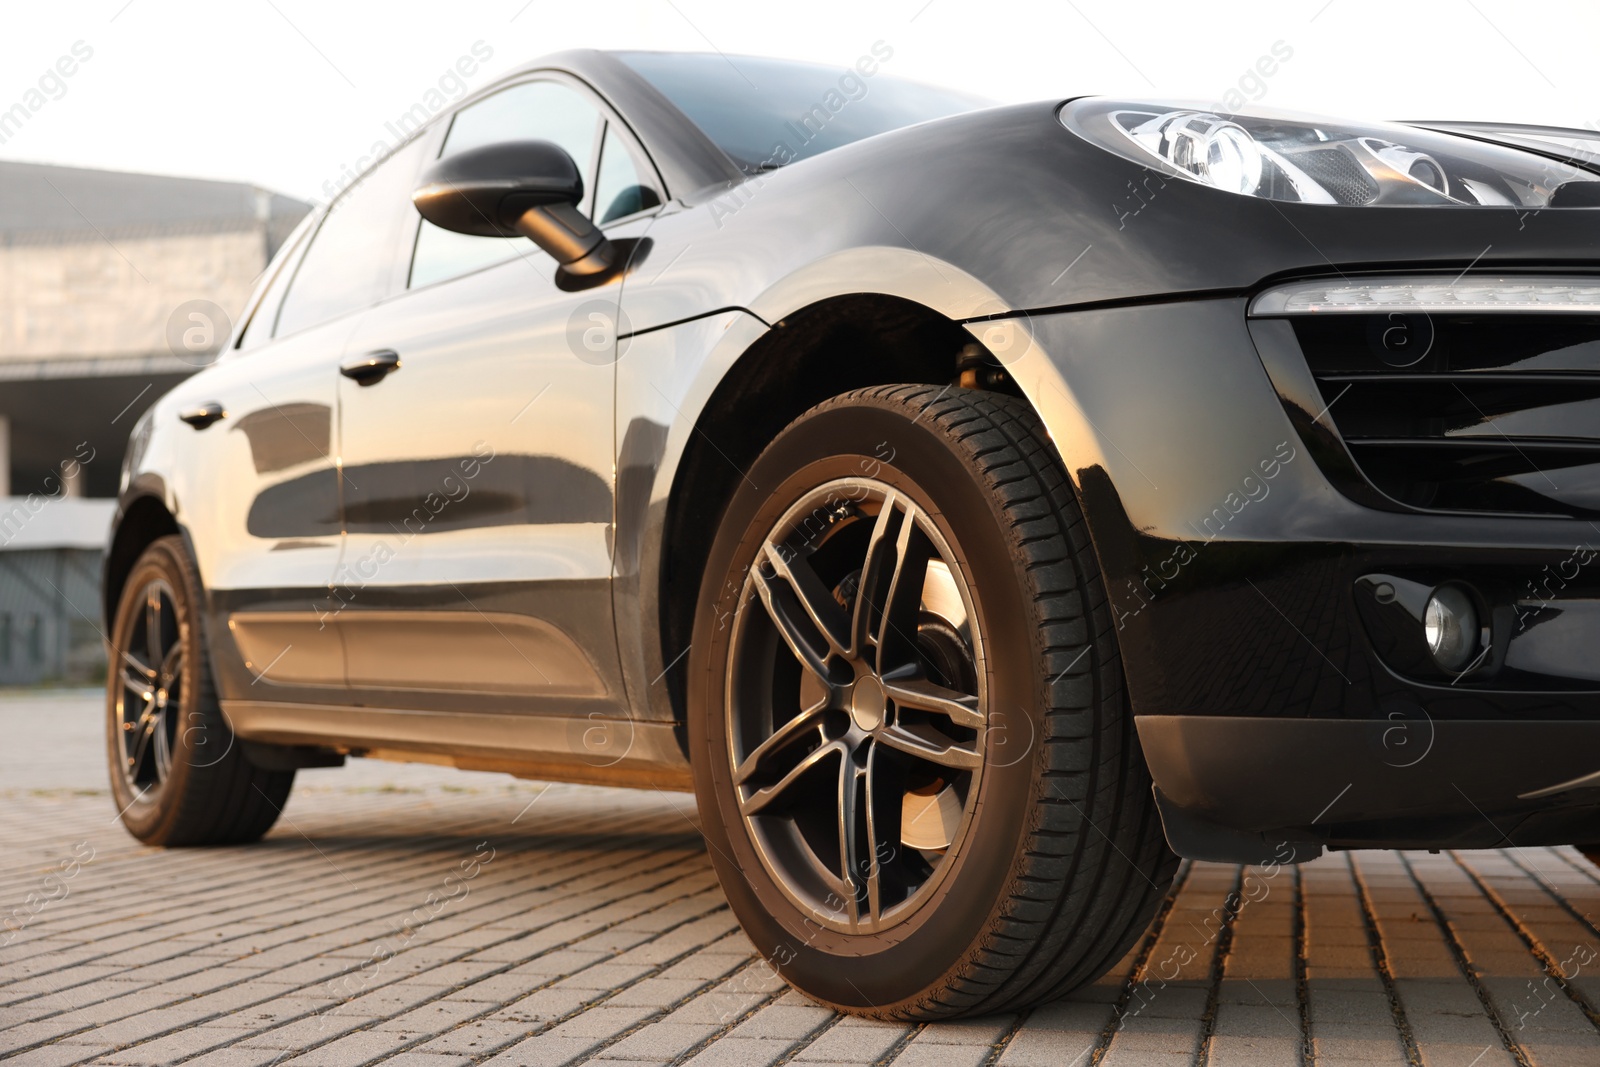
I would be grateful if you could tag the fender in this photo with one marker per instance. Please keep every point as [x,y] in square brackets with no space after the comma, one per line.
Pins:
[669,375]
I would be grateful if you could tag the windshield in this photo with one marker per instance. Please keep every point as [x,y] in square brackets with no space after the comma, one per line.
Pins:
[768,112]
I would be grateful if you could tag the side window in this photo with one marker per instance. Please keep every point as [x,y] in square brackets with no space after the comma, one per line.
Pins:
[351,260]
[621,187]
[532,111]
[259,329]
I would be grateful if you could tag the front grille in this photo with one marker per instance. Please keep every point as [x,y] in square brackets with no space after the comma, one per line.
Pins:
[1495,412]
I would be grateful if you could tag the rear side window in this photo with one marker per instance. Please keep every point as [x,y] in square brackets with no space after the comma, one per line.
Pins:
[351,261]
[532,111]
[259,329]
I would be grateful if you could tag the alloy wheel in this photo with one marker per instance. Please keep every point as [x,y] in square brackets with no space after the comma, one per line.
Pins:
[149,697]
[856,704]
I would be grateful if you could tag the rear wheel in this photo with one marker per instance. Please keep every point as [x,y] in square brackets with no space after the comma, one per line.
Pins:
[178,775]
[920,783]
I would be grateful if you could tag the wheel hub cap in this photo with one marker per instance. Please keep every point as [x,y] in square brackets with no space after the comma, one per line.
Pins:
[868,703]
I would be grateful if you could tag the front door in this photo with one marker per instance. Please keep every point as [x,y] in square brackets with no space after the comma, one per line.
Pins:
[479,471]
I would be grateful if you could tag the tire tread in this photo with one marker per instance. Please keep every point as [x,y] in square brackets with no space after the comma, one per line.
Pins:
[1094,865]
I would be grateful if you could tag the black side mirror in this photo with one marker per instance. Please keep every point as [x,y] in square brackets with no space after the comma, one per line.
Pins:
[530,188]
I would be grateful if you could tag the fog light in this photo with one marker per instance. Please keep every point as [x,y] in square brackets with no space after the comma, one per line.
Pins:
[1450,624]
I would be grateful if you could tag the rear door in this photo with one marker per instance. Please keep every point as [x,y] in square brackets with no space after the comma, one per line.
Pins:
[265,508]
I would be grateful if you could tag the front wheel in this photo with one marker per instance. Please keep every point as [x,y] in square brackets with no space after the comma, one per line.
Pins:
[920,784]
[178,775]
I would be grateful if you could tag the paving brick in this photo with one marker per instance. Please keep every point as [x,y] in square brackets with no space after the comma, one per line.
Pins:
[191,1041]
[935,1054]
[604,1022]
[733,1051]
[237,1056]
[308,1031]
[853,1043]
[351,1050]
[480,1036]
[1049,1048]
[784,1021]
[542,1051]
[659,1041]
[657,992]
[1232,1051]
[598,932]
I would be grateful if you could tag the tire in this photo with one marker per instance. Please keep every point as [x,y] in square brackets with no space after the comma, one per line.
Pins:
[178,775]
[988,706]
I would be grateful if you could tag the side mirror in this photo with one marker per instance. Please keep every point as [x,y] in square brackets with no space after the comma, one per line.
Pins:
[527,188]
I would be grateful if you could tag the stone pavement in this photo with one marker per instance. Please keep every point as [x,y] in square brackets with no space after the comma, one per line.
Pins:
[424,917]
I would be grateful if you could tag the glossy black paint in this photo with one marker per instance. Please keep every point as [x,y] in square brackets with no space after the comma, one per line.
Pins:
[1233,530]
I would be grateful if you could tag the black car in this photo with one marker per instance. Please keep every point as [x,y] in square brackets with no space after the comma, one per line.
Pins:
[977,507]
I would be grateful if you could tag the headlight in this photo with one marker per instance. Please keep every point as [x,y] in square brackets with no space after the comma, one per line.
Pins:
[1301,159]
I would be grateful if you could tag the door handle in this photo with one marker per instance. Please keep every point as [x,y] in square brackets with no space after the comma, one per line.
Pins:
[204,415]
[371,368]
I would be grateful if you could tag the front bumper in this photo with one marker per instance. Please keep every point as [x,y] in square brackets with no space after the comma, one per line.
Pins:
[1241,579]
[1250,790]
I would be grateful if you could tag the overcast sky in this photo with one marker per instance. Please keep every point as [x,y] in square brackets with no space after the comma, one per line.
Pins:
[285,93]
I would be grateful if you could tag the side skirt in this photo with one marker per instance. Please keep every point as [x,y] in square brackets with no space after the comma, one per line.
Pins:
[587,749]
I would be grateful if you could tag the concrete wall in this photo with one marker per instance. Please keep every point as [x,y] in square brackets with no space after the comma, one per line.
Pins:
[95,298]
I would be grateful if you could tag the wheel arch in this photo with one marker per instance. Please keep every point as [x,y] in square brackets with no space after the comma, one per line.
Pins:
[819,350]
[141,520]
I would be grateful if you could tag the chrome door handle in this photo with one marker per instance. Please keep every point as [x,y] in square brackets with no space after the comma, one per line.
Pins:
[373,367]
[204,415]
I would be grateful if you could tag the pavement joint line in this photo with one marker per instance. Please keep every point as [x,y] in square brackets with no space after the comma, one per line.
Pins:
[246,890]
[280,1023]
[1380,961]
[1468,971]
[1232,904]
[244,885]
[767,1000]
[357,962]
[398,894]
[225,859]
[1534,945]
[1302,981]
[808,1039]
[1119,1007]
[387,864]
[900,1045]
[158,1036]
[665,1012]
[998,1048]
[548,1024]
[576,942]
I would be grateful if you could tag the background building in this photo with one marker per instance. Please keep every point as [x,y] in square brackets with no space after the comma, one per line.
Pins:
[113,288]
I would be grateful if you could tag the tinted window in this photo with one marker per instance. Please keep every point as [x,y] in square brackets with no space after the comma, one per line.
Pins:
[259,329]
[533,111]
[621,187]
[768,112]
[351,260]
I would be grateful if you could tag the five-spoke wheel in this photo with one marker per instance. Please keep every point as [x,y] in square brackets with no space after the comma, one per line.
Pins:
[147,703]
[856,703]
[178,775]
[918,780]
